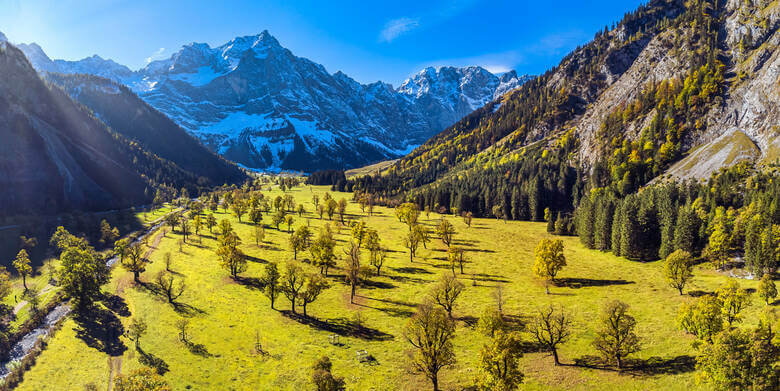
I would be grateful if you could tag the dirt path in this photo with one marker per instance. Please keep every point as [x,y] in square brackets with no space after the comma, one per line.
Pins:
[18,307]
[115,363]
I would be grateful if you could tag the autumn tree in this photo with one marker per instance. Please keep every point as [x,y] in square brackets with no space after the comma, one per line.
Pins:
[322,252]
[430,331]
[278,218]
[292,282]
[239,208]
[455,256]
[551,327]
[352,268]
[108,235]
[498,366]
[299,240]
[549,259]
[491,321]
[616,337]
[230,256]
[412,242]
[733,300]
[740,360]
[677,269]
[341,208]
[315,284]
[446,231]
[767,289]
[22,266]
[211,222]
[322,377]
[82,270]
[135,261]
[270,281]
[408,214]
[446,292]
[703,318]
[358,231]
[136,330]
[256,216]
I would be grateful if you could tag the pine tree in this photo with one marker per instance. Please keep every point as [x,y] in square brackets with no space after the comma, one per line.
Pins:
[630,230]
[686,230]
[602,225]
[585,222]
[617,229]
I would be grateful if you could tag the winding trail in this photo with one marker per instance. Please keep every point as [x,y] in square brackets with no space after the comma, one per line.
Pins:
[115,363]
[24,346]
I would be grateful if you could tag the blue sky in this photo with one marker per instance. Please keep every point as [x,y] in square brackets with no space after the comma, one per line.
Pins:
[368,40]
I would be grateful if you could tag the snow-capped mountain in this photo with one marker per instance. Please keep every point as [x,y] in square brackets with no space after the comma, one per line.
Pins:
[447,94]
[258,104]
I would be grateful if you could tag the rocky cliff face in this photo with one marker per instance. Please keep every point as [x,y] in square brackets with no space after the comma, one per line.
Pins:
[256,103]
[711,66]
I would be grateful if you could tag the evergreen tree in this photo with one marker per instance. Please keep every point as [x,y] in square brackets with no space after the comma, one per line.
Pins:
[585,222]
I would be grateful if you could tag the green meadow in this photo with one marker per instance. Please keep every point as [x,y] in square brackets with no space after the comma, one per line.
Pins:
[229,319]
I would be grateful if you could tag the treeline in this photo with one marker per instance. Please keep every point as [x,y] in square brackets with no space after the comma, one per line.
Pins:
[327,177]
[736,213]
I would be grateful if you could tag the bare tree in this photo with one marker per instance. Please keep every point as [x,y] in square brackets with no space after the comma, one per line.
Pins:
[551,328]
[446,291]
[170,287]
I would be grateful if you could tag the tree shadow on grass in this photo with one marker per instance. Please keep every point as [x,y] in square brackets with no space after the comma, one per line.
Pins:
[587,282]
[197,349]
[410,270]
[699,293]
[641,367]
[116,304]
[152,361]
[396,302]
[254,259]
[403,279]
[250,282]
[100,328]
[341,326]
[396,312]
[376,284]
[488,278]
[188,310]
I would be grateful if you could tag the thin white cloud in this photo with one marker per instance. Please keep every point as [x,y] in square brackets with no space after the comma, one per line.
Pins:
[555,43]
[396,27]
[158,54]
[494,62]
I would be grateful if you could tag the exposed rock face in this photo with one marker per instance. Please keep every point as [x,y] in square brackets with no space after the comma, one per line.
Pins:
[256,103]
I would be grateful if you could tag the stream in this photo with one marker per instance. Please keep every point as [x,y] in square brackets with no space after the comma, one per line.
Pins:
[21,349]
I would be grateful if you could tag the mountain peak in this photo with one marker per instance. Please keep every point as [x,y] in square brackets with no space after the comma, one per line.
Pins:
[3,37]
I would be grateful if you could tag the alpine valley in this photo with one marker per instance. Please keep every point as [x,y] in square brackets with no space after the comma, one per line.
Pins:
[257,104]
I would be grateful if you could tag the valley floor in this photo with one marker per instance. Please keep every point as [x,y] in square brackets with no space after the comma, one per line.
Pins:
[230,318]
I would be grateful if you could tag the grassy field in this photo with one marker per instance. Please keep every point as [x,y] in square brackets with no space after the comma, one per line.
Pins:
[227,317]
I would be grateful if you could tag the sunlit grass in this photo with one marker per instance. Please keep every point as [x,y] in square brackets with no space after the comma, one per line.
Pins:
[232,315]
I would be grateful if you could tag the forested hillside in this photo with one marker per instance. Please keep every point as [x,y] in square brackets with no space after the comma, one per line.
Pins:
[620,113]
[56,156]
[129,115]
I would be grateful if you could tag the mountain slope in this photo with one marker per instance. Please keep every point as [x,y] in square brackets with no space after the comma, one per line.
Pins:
[619,111]
[55,156]
[127,114]
[256,103]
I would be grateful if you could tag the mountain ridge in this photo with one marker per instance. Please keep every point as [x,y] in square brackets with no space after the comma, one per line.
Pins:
[256,103]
